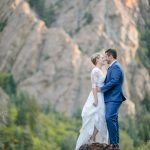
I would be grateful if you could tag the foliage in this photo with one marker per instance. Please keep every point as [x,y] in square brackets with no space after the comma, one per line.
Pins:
[144,49]
[7,83]
[46,14]
[143,119]
[27,110]
[146,146]
[88,18]
[32,127]
[138,128]
[146,103]
[126,141]
[77,114]
[69,139]
[77,29]
[2,25]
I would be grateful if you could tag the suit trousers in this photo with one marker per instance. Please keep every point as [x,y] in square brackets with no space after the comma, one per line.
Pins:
[111,115]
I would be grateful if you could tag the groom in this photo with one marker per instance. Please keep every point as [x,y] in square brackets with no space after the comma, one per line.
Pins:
[113,95]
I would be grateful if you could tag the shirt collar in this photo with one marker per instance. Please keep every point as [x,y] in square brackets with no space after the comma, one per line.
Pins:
[113,62]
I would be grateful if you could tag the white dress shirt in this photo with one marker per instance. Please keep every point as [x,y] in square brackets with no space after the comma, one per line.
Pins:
[112,62]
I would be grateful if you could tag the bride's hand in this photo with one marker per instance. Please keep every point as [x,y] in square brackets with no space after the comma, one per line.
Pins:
[98,89]
[95,104]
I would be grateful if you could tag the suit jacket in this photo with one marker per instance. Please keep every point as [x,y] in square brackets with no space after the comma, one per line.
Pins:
[113,84]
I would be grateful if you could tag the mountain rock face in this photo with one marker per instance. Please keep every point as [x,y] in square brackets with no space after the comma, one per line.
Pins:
[53,64]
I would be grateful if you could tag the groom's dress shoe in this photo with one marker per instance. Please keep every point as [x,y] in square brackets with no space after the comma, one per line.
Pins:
[112,147]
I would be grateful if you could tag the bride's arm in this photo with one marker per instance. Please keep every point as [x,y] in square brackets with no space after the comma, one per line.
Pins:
[94,79]
[95,97]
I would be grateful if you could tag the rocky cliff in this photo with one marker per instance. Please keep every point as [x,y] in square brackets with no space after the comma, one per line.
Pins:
[53,63]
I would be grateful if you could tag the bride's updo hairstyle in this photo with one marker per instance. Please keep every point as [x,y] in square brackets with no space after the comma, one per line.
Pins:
[94,58]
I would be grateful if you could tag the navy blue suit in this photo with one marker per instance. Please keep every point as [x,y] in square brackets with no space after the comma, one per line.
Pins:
[113,96]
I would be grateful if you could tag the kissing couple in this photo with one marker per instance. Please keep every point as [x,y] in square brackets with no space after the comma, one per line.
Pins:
[100,112]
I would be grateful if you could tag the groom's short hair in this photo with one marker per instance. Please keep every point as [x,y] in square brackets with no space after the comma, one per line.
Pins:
[112,52]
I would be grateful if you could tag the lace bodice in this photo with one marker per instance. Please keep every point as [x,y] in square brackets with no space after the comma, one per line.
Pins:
[97,77]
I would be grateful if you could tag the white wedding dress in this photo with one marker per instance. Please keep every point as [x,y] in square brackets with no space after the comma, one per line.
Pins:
[93,116]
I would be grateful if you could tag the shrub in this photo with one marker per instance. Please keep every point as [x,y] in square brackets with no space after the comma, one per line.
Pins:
[7,83]
[2,25]
[143,51]
[88,18]
[28,110]
[46,14]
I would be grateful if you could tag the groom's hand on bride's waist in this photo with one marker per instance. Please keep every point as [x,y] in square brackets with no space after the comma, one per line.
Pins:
[98,89]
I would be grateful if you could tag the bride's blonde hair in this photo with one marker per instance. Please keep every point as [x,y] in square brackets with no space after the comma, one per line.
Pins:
[94,57]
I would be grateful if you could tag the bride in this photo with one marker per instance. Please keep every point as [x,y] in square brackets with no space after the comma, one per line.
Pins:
[93,113]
